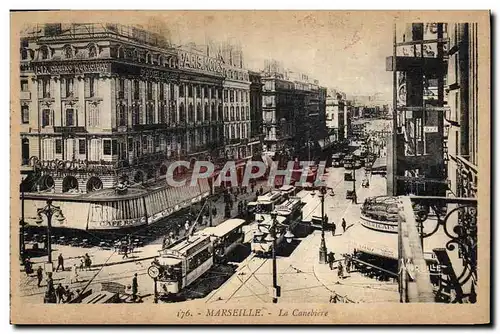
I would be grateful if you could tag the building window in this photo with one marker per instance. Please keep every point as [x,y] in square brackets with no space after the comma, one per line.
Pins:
[148,59]
[91,86]
[121,88]
[198,91]
[190,113]
[198,112]
[237,113]
[150,117]
[121,53]
[190,91]
[226,114]
[205,91]
[25,114]
[81,146]
[130,144]
[24,54]
[149,90]
[24,85]
[231,96]
[246,96]
[172,91]
[70,117]
[161,87]
[136,116]
[163,114]
[248,113]
[58,146]
[181,90]
[44,53]
[68,52]
[207,112]
[136,90]
[45,117]
[46,88]
[106,147]
[232,114]
[69,87]
[225,95]
[122,115]
[93,115]
[114,147]
[214,115]
[182,113]
[92,51]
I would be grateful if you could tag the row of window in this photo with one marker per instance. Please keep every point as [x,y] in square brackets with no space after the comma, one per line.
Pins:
[46,53]
[232,114]
[45,87]
[237,131]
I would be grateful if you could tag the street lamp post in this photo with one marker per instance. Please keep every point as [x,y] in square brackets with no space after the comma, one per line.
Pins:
[49,211]
[276,290]
[322,248]
[22,224]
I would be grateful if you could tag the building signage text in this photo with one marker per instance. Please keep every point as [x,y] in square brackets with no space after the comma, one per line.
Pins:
[148,73]
[72,68]
[199,62]
[380,226]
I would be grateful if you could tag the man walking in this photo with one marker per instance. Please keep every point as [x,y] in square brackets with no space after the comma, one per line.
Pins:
[331,259]
[60,262]
[334,227]
[134,287]
[60,293]
[344,224]
[39,275]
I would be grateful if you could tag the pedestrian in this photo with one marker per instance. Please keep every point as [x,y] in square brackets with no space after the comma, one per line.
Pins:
[60,262]
[82,264]
[261,191]
[344,224]
[134,287]
[60,293]
[186,226]
[28,266]
[39,275]
[68,294]
[347,264]
[125,251]
[252,186]
[331,259]
[74,274]
[334,227]
[88,261]
[340,270]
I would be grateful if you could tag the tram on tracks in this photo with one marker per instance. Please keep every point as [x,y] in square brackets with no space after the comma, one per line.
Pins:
[183,262]
[226,237]
[289,215]
[265,203]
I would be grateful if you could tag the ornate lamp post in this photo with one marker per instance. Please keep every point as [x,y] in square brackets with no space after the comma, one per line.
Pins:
[322,248]
[271,237]
[49,211]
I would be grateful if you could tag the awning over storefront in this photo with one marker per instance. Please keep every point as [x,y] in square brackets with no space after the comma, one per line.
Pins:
[372,242]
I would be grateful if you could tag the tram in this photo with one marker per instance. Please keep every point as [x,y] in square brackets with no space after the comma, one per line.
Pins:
[288,191]
[265,203]
[289,215]
[183,262]
[225,237]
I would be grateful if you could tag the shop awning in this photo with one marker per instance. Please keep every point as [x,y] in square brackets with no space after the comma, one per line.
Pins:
[372,242]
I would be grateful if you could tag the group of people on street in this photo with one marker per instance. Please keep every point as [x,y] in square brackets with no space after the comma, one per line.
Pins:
[340,266]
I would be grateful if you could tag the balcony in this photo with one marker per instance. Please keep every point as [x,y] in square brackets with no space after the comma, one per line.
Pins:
[446,228]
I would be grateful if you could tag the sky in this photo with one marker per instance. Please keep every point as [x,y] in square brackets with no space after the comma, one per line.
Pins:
[343,51]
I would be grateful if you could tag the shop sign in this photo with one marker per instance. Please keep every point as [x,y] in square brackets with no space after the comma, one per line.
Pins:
[430,129]
[73,68]
[199,62]
[390,228]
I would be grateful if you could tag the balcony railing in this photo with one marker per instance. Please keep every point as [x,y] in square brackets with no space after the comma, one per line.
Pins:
[452,222]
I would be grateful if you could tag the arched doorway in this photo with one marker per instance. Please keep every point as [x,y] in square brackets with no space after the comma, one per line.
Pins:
[69,183]
[45,182]
[25,151]
[93,184]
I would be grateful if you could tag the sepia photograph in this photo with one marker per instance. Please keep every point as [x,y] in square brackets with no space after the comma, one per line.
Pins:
[208,167]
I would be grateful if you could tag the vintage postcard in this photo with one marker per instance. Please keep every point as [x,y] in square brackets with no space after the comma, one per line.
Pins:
[250,167]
